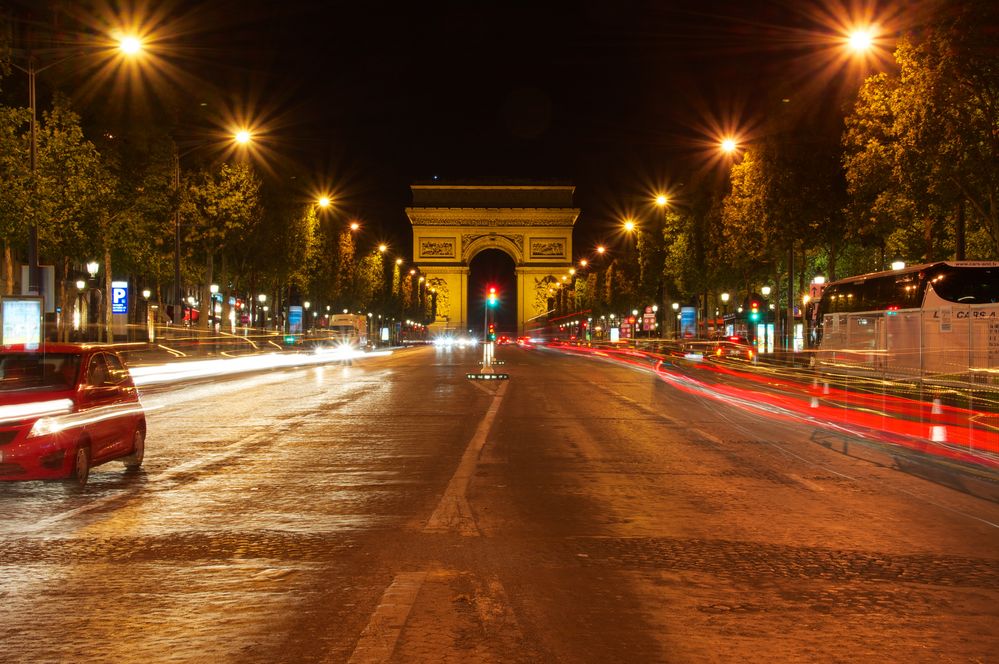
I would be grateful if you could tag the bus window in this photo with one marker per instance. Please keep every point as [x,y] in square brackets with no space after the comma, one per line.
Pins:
[973,285]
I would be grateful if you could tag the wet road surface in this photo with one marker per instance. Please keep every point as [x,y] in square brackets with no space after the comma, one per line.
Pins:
[394,511]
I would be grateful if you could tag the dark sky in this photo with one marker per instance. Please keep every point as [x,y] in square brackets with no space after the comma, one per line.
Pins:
[621,98]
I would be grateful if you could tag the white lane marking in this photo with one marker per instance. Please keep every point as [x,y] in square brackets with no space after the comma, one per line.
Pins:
[453,513]
[379,637]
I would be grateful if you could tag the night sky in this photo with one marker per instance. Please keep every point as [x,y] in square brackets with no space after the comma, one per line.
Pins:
[361,99]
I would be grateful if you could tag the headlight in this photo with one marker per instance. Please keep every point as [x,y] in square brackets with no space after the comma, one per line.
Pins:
[45,426]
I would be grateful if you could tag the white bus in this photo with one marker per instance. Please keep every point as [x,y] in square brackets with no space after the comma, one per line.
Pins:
[937,319]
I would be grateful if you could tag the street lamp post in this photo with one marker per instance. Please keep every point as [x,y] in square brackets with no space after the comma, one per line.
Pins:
[127,45]
[150,323]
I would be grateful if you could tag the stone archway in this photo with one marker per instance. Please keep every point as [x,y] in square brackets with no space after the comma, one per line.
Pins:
[453,223]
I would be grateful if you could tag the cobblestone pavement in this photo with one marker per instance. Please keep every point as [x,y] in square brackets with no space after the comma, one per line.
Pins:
[394,511]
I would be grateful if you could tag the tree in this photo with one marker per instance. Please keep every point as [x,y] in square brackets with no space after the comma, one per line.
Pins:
[345,269]
[15,192]
[222,205]
[71,202]
[746,225]
[921,143]
[371,281]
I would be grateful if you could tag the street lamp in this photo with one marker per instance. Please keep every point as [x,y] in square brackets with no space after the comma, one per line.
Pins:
[150,334]
[261,298]
[129,46]
[861,40]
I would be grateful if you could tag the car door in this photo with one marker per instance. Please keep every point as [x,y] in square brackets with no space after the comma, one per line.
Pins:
[125,419]
[97,403]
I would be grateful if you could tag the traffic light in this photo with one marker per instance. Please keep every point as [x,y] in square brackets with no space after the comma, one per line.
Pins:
[754,311]
[492,332]
[491,298]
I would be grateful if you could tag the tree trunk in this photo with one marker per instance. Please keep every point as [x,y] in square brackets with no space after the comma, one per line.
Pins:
[65,306]
[108,318]
[959,231]
[928,239]
[206,293]
[8,270]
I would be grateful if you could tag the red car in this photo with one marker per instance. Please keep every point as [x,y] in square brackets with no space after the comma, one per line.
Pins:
[65,408]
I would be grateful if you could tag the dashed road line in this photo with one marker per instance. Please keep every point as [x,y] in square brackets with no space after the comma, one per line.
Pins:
[379,637]
[453,513]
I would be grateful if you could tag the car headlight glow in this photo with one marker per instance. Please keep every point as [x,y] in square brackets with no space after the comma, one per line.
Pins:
[46,426]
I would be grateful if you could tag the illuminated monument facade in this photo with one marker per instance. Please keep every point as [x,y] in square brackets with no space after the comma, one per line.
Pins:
[453,223]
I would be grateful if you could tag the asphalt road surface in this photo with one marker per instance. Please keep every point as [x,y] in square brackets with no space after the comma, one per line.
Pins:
[583,511]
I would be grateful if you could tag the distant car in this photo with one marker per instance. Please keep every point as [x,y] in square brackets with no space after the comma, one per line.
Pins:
[733,347]
[65,408]
[503,340]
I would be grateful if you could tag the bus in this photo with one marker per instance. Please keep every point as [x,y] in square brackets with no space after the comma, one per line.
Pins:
[936,319]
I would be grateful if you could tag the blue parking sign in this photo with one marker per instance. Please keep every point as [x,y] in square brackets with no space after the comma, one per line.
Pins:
[119,297]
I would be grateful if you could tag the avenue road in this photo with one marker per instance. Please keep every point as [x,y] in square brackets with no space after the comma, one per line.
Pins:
[583,511]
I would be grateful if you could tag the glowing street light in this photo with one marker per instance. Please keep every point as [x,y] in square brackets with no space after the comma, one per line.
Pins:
[629,225]
[583,262]
[243,136]
[728,145]
[601,249]
[398,261]
[130,45]
[354,225]
[662,200]
[324,202]
[861,40]
[382,248]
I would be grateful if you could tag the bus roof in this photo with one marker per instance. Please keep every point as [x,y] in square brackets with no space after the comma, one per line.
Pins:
[913,268]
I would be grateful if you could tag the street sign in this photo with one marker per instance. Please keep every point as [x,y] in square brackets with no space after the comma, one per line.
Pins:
[119,297]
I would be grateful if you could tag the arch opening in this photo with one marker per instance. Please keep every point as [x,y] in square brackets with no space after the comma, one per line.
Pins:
[492,268]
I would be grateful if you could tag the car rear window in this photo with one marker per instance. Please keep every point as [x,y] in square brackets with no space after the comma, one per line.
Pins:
[22,371]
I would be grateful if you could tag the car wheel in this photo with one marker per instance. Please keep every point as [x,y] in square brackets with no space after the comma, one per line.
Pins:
[81,466]
[134,460]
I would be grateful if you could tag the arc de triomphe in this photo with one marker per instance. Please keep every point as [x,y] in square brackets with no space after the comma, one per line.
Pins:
[453,223]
